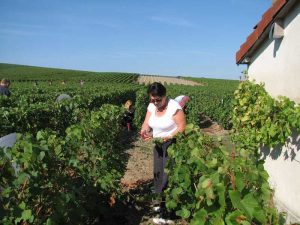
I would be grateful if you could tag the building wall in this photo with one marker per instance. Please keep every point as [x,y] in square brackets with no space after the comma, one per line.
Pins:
[277,62]
[283,166]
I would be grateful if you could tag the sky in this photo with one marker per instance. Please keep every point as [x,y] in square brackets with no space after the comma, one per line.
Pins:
[196,38]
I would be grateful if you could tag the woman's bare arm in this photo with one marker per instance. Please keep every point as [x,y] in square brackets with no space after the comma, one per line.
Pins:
[145,126]
[179,118]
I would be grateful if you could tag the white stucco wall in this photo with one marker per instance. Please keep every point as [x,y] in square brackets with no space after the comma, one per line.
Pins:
[277,62]
[283,166]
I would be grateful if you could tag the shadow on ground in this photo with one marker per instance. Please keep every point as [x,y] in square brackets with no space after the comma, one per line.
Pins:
[133,208]
[134,204]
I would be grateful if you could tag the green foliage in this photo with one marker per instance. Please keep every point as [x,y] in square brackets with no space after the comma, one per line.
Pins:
[214,100]
[215,83]
[33,73]
[261,120]
[70,161]
[31,110]
[209,184]
[141,103]
[63,180]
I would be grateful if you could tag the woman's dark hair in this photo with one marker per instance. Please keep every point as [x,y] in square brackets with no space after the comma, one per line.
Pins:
[157,89]
[5,82]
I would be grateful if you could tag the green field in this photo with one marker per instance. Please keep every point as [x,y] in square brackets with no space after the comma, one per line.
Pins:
[33,73]
[69,158]
[213,99]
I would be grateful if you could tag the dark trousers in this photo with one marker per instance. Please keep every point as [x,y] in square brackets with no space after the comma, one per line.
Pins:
[160,155]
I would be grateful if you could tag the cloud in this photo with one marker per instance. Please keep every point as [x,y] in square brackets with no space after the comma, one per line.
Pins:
[19,32]
[121,55]
[172,21]
[20,25]
[76,22]
[167,53]
[21,29]
[102,23]
[175,53]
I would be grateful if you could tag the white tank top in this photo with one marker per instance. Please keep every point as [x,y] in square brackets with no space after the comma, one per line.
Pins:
[163,126]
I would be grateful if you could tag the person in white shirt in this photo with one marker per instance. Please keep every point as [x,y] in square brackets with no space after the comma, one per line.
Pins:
[182,100]
[165,118]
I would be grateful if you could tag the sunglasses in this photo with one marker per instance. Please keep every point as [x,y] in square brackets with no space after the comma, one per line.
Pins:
[152,100]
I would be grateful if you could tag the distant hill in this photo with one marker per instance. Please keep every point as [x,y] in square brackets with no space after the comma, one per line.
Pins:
[144,79]
[16,72]
[23,72]
[214,82]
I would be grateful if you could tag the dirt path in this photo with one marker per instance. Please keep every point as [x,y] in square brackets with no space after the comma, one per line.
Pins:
[134,207]
[140,164]
[137,182]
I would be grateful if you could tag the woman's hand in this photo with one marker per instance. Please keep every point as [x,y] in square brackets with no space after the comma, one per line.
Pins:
[145,135]
[165,139]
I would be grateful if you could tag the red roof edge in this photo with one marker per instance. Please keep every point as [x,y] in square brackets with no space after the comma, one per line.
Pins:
[260,28]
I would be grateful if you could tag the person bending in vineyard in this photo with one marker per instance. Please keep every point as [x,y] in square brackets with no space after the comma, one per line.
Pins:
[128,115]
[4,87]
[166,118]
[182,100]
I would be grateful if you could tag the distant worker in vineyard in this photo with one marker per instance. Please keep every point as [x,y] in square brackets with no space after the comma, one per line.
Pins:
[165,118]
[182,100]
[128,115]
[4,87]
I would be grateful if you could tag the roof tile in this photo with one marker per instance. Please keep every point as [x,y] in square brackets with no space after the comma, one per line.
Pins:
[267,18]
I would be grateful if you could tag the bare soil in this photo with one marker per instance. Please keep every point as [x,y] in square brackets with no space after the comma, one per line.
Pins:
[215,130]
[144,79]
[140,164]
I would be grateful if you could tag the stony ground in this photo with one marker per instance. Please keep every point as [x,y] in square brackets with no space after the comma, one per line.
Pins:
[140,164]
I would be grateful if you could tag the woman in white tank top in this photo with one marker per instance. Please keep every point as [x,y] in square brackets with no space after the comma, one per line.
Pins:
[165,118]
